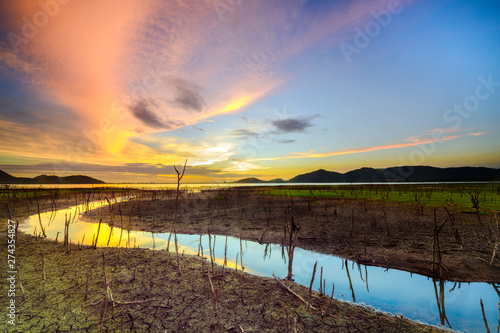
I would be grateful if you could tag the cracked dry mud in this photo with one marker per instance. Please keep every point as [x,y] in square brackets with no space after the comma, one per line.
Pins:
[183,302]
[384,233]
[180,301]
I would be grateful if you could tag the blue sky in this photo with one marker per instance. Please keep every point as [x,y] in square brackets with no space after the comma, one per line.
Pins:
[240,89]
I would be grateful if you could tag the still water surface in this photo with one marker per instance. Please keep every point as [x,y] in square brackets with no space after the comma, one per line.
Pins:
[196,186]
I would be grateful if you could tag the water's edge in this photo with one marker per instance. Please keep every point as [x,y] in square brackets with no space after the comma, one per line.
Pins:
[389,290]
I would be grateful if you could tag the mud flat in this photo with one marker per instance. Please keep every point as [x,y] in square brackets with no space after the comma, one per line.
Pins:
[373,232]
[115,289]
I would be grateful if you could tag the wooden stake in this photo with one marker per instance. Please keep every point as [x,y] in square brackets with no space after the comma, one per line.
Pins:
[484,317]
[311,284]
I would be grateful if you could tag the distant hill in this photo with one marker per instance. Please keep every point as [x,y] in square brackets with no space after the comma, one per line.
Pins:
[319,176]
[253,180]
[276,180]
[5,178]
[394,174]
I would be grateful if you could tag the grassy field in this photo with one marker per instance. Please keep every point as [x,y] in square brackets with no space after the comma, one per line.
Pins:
[29,193]
[461,196]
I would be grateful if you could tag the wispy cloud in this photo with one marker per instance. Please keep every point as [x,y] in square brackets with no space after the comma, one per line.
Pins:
[130,169]
[408,142]
[242,166]
[172,148]
[293,125]
[244,133]
[11,61]
[477,134]
[189,100]
[144,110]
[285,141]
[167,64]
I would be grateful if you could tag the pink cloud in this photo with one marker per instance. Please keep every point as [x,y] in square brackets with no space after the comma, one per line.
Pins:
[94,57]
[408,142]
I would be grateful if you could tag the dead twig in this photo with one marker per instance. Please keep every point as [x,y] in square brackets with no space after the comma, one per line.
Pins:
[311,284]
[291,291]
[495,248]
[484,317]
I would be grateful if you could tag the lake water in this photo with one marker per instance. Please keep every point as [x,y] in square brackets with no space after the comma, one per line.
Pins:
[415,296]
[194,186]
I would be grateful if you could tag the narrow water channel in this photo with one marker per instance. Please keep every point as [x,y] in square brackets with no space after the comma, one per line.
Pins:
[414,296]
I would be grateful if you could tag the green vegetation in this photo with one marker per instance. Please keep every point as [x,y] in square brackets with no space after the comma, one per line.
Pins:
[29,193]
[461,196]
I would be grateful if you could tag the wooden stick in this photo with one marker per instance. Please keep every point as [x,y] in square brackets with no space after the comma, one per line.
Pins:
[211,285]
[311,284]
[321,282]
[292,292]
[496,243]
[484,317]
[98,230]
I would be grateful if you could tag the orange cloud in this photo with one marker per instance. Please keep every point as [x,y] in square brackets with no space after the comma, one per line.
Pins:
[477,133]
[189,65]
[408,142]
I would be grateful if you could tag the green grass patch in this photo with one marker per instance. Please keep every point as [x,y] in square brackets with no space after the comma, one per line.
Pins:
[29,193]
[434,195]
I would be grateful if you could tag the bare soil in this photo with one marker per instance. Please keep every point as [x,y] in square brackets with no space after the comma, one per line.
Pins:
[140,290]
[379,233]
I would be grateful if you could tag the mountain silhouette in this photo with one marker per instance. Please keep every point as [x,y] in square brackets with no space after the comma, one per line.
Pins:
[394,174]
[6,178]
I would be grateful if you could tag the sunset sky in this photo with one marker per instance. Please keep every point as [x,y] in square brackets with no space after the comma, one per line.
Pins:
[122,90]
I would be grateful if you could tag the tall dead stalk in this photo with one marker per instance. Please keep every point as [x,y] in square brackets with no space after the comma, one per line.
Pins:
[475,199]
[311,284]
[66,231]
[210,249]
[484,317]
[456,234]
[436,247]
[177,194]
[94,245]
[39,217]
[497,236]
[290,232]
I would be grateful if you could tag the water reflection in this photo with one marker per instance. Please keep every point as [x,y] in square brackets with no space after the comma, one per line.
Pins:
[415,296]
[350,281]
[440,301]
[497,289]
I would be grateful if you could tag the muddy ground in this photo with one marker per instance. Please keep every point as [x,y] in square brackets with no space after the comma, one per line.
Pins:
[145,291]
[380,233]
